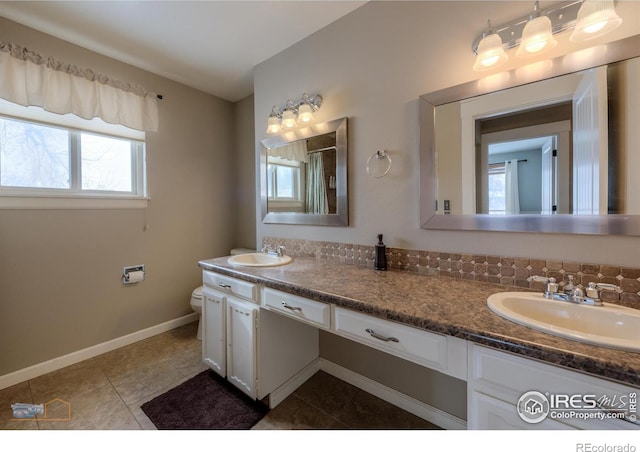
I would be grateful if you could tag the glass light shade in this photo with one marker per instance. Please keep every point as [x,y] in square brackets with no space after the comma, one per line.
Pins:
[490,53]
[273,124]
[536,37]
[305,113]
[288,119]
[595,18]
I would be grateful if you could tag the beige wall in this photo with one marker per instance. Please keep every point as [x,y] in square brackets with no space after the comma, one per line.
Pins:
[372,65]
[245,173]
[60,270]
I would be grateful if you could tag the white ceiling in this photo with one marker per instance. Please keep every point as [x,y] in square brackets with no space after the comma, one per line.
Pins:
[209,45]
[527,144]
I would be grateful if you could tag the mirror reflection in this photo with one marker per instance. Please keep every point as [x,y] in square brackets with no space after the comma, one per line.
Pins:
[304,176]
[555,146]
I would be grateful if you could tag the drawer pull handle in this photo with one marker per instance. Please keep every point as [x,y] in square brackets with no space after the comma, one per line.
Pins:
[291,308]
[382,338]
[224,286]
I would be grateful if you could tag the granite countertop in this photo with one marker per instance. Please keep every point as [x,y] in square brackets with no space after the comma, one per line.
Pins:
[440,304]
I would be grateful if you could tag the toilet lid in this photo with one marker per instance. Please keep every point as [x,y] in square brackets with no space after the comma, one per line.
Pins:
[197,293]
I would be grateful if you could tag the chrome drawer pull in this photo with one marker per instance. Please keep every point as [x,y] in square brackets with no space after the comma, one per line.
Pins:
[292,308]
[382,338]
[224,286]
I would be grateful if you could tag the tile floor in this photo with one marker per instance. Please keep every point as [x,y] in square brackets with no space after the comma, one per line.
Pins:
[105,393]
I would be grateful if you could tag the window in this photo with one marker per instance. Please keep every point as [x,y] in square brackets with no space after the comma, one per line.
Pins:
[497,194]
[283,179]
[45,156]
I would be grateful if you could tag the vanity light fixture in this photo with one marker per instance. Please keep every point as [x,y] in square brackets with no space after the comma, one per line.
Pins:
[534,33]
[293,114]
[595,18]
[490,50]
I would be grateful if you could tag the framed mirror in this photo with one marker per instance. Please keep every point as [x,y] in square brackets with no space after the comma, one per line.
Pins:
[303,176]
[573,176]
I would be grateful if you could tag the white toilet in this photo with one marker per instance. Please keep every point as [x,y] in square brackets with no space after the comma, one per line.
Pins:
[196,295]
[196,305]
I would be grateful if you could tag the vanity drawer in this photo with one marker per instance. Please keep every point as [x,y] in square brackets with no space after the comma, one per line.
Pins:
[231,285]
[309,311]
[436,351]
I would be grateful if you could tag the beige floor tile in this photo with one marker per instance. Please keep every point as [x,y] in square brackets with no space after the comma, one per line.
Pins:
[106,392]
[366,411]
[145,380]
[70,382]
[19,393]
[327,392]
[296,414]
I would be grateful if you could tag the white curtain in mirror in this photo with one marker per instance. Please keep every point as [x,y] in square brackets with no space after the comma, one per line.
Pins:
[512,197]
[291,151]
[317,202]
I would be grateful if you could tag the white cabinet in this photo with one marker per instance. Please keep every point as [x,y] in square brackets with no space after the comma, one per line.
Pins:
[214,350]
[498,381]
[241,344]
[259,352]
[230,330]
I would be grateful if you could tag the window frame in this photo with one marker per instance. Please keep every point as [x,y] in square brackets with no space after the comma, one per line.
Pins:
[74,196]
[297,182]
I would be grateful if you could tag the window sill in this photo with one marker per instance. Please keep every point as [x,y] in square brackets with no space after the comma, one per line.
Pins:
[61,202]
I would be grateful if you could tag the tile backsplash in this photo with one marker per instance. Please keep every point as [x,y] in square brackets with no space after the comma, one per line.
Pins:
[505,270]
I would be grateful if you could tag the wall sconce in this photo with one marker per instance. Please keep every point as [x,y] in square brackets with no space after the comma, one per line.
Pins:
[294,113]
[533,33]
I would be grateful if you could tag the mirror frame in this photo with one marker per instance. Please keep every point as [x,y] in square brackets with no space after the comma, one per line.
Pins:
[341,217]
[613,224]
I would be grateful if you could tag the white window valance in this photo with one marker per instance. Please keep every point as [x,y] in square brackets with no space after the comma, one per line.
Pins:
[29,79]
[291,151]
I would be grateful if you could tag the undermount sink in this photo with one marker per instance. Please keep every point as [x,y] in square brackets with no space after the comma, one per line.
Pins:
[259,260]
[608,326]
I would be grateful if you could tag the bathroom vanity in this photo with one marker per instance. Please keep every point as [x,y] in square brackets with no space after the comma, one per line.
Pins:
[261,331]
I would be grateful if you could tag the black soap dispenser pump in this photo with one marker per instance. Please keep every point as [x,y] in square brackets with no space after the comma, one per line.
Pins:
[380,260]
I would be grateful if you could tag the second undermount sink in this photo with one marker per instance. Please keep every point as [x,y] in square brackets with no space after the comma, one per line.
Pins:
[608,326]
[259,260]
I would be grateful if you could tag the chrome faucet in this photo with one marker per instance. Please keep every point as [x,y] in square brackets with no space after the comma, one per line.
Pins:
[278,251]
[574,294]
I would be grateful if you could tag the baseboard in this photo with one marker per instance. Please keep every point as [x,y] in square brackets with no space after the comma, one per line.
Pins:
[413,406]
[75,357]
[288,387]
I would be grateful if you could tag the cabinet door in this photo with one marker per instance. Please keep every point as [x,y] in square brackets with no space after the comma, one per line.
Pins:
[241,345]
[213,331]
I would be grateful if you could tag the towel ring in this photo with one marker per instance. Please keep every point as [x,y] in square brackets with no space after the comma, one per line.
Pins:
[379,164]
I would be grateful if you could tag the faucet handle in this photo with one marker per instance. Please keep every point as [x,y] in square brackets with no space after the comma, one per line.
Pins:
[605,286]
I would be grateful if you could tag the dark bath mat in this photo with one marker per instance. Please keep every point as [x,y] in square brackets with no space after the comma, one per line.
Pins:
[205,402]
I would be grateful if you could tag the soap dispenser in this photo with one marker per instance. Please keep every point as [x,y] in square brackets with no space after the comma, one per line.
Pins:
[380,260]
